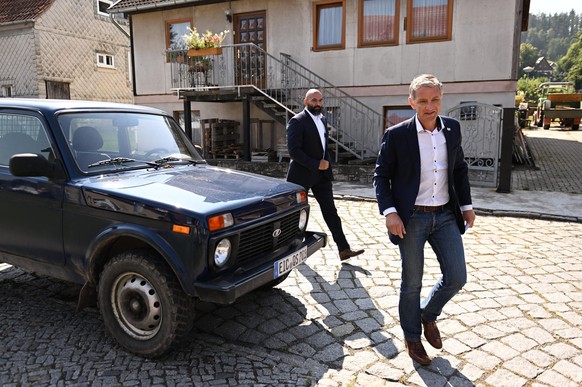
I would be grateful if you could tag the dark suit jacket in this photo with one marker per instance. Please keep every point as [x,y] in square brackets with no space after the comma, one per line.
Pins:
[305,151]
[397,173]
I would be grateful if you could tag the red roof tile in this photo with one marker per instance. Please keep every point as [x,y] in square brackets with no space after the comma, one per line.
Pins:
[15,11]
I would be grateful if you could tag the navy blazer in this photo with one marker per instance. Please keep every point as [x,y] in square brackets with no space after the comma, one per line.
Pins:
[306,151]
[397,173]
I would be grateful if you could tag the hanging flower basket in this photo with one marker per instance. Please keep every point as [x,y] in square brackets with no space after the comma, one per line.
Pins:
[205,51]
[205,44]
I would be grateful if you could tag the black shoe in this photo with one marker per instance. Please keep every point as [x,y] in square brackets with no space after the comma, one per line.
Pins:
[348,253]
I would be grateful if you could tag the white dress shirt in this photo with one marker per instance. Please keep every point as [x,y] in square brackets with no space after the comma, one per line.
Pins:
[433,189]
[320,128]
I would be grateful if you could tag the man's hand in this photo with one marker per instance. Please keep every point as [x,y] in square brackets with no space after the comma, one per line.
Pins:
[394,224]
[469,217]
[323,165]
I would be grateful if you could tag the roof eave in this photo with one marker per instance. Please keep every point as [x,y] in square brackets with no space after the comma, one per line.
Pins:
[159,5]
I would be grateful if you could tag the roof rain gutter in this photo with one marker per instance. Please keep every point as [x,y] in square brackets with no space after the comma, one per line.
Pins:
[163,4]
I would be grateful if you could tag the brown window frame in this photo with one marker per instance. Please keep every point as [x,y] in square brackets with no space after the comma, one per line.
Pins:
[389,108]
[409,26]
[317,7]
[395,27]
[174,21]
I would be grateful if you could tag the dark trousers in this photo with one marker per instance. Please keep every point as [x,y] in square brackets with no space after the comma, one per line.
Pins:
[323,193]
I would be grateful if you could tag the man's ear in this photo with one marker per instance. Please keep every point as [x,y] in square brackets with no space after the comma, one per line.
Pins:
[411,103]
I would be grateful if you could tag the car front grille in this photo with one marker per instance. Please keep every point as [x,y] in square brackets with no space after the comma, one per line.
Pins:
[261,240]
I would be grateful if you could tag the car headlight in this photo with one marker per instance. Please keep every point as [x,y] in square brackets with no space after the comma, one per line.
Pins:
[222,252]
[302,219]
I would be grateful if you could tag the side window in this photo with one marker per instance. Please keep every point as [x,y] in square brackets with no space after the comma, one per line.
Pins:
[22,134]
[196,130]
[330,24]
[429,20]
[378,22]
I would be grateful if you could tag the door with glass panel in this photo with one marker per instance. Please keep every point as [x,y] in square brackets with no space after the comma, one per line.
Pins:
[249,60]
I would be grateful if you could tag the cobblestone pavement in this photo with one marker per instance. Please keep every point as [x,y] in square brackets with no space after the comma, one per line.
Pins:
[517,322]
[557,155]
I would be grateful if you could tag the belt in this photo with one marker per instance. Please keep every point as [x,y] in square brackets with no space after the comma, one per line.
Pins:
[430,208]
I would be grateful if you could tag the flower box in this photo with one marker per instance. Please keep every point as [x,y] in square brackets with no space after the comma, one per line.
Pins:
[205,51]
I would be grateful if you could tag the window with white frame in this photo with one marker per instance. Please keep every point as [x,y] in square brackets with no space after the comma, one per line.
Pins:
[105,60]
[102,6]
[6,91]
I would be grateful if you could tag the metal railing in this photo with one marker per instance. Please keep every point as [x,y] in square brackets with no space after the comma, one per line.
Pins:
[355,128]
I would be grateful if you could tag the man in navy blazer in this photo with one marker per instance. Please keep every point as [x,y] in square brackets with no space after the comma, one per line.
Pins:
[310,165]
[422,187]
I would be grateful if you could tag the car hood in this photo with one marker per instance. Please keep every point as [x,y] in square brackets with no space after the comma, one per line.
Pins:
[199,189]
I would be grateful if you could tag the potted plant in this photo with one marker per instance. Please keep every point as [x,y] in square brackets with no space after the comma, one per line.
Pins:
[204,44]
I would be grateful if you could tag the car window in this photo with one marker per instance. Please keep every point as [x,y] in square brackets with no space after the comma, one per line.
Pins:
[22,134]
[95,137]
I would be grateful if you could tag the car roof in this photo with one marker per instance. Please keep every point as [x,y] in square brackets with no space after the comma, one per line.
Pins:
[56,105]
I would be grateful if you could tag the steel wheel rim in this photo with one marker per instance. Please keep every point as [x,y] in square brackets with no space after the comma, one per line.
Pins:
[136,306]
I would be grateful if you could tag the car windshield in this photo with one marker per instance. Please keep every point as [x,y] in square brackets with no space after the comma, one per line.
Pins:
[110,141]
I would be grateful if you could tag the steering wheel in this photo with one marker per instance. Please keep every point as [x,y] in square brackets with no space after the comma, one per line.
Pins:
[158,151]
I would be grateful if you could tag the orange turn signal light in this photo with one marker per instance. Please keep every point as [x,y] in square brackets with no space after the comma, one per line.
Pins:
[219,222]
[301,197]
[181,229]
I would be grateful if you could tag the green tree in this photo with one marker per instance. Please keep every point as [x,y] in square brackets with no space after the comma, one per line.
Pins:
[531,88]
[571,63]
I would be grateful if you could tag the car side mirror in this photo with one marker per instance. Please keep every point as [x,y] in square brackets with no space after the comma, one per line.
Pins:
[31,165]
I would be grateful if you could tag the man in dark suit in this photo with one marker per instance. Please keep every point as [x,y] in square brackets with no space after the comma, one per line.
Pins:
[422,187]
[310,165]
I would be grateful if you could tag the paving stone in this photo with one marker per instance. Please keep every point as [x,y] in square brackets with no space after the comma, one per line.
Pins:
[516,320]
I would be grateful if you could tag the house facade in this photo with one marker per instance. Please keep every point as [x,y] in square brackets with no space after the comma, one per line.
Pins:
[368,50]
[63,49]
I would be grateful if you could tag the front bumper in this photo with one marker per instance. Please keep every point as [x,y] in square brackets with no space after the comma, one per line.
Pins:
[226,291]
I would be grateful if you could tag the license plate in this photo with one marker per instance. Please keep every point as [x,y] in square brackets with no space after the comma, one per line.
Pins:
[285,265]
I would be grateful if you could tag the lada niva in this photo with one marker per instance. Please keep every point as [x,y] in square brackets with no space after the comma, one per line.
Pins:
[116,198]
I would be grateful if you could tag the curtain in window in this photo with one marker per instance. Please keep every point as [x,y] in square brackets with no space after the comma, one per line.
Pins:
[378,20]
[429,18]
[330,26]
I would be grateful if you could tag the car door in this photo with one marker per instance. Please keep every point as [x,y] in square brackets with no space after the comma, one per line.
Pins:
[30,207]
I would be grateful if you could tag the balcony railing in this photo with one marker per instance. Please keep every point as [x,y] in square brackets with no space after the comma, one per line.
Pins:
[355,128]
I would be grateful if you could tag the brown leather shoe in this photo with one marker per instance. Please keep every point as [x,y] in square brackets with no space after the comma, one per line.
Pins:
[432,334]
[348,253]
[416,352]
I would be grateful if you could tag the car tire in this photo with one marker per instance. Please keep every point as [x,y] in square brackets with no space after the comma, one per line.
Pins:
[142,304]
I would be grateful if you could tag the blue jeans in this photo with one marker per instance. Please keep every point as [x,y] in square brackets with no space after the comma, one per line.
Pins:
[442,233]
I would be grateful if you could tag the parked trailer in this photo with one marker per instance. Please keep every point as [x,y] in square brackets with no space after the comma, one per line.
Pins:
[559,101]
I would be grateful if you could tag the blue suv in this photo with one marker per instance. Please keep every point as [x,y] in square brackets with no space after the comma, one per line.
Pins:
[116,198]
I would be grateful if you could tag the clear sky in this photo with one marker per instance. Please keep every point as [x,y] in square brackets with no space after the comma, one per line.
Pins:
[555,6]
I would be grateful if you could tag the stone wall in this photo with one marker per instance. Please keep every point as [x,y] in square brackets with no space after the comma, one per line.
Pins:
[361,174]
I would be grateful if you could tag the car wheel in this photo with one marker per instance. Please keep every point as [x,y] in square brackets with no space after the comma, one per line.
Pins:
[143,306]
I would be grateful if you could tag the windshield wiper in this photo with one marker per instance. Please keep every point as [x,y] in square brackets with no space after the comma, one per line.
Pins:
[166,160]
[113,161]
[163,161]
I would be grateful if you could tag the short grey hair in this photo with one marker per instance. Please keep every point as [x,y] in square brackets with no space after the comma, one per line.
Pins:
[424,80]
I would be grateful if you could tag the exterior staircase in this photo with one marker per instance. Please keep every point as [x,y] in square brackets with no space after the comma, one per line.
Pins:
[277,86]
